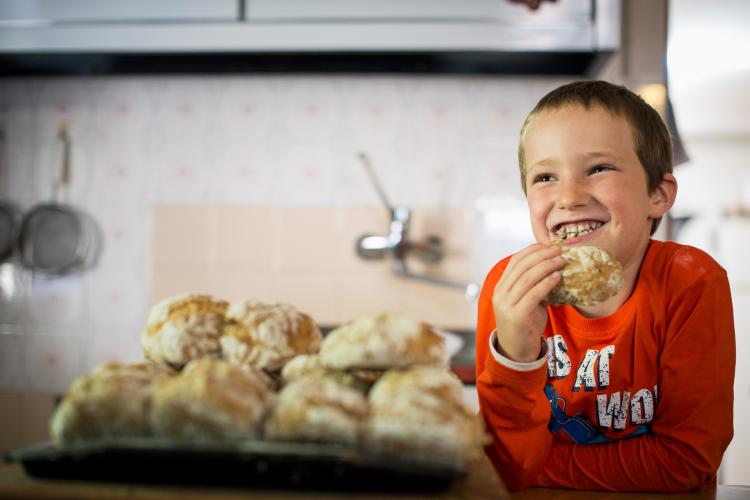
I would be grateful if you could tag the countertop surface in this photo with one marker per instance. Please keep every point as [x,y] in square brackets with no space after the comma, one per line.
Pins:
[480,483]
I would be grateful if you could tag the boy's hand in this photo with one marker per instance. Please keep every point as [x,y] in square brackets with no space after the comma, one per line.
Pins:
[520,316]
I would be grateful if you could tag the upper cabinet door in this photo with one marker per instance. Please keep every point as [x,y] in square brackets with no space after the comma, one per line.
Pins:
[486,11]
[88,11]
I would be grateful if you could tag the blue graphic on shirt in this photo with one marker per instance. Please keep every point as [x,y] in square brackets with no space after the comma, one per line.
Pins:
[577,426]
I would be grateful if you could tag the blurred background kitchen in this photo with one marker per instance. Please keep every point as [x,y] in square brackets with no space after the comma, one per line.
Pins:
[213,147]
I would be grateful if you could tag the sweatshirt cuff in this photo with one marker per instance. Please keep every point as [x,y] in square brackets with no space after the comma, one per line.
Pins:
[514,365]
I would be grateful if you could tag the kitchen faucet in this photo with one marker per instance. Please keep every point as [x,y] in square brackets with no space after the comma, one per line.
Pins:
[398,245]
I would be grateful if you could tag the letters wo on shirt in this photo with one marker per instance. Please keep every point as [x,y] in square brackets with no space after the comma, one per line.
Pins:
[616,409]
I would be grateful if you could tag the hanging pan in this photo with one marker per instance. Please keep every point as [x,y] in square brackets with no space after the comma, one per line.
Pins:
[10,221]
[10,215]
[56,239]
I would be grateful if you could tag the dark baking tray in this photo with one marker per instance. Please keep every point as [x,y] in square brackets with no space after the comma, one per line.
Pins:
[261,464]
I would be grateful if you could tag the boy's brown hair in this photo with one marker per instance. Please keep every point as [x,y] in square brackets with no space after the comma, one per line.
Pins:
[652,141]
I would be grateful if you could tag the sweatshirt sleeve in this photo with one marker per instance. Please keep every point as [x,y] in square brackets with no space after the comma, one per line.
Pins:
[692,425]
[693,420]
[512,402]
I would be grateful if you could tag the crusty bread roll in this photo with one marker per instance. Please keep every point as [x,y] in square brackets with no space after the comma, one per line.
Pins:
[308,365]
[590,276]
[211,400]
[421,411]
[266,336]
[381,342]
[111,401]
[317,408]
[182,328]
[301,366]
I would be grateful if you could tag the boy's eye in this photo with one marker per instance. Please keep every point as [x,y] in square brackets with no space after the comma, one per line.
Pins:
[543,178]
[600,168]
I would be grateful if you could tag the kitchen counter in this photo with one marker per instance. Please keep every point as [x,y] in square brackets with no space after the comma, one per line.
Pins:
[481,483]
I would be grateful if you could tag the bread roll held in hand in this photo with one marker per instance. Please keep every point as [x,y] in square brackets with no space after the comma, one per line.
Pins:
[590,276]
[211,400]
[266,336]
[111,401]
[182,328]
[381,342]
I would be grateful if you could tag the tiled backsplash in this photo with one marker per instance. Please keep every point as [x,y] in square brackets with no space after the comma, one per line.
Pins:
[245,186]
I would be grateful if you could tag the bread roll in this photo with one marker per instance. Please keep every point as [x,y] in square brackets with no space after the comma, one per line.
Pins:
[301,366]
[590,276]
[308,365]
[211,400]
[111,401]
[182,328]
[316,408]
[421,412]
[382,342]
[266,336]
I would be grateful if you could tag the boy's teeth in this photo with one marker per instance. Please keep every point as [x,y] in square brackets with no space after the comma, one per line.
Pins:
[573,230]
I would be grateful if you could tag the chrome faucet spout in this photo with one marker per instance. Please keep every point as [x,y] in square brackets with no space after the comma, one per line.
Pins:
[398,244]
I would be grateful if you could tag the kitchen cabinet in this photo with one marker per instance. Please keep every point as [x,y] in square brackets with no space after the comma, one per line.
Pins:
[30,12]
[488,28]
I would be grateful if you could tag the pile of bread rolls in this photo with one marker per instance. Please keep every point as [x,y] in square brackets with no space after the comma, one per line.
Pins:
[221,372]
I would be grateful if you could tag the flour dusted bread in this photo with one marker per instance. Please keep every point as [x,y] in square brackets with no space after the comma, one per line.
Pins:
[111,401]
[590,276]
[420,411]
[266,336]
[317,408]
[308,365]
[300,366]
[211,400]
[182,328]
[381,342]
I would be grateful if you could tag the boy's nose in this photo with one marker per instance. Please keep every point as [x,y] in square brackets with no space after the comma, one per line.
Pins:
[571,195]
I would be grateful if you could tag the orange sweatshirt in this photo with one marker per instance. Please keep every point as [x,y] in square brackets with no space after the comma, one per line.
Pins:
[637,401]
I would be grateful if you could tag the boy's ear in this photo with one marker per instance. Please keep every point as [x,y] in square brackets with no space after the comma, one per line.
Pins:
[663,196]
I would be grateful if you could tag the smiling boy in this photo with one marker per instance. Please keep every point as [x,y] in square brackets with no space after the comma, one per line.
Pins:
[633,393]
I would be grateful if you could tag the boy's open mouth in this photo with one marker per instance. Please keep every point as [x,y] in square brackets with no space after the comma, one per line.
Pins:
[570,230]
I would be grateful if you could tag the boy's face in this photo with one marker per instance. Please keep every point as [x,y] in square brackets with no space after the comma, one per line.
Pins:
[584,181]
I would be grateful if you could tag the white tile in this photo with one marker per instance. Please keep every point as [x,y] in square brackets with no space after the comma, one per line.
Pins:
[57,306]
[17,169]
[111,344]
[64,101]
[52,363]
[308,177]
[116,297]
[12,375]
[245,105]
[124,109]
[16,108]
[13,291]
[48,167]
[246,172]
[182,171]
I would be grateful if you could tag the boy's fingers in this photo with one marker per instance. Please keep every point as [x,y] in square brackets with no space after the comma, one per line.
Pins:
[530,269]
[536,294]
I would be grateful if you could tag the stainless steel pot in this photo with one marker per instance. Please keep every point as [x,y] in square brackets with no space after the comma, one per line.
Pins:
[55,238]
[10,222]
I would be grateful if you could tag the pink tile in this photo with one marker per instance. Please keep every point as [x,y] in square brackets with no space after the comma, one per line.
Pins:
[312,293]
[181,235]
[368,292]
[168,282]
[246,238]
[244,284]
[310,239]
